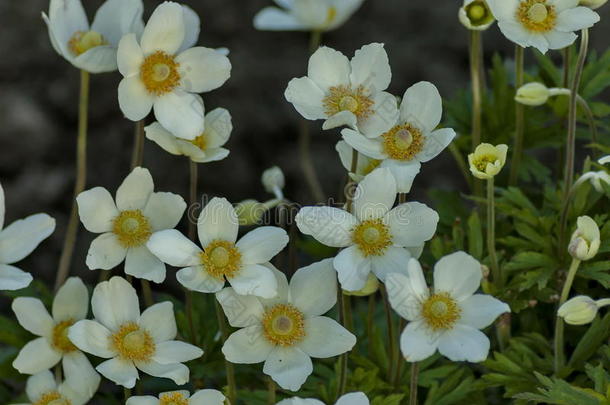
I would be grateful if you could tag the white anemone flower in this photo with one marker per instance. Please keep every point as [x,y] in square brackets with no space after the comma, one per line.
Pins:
[17,241]
[201,397]
[163,71]
[92,48]
[42,389]
[412,139]
[132,341]
[543,24]
[447,317]
[126,226]
[207,147]
[364,164]
[306,15]
[240,262]
[287,331]
[375,236]
[71,304]
[347,93]
[354,398]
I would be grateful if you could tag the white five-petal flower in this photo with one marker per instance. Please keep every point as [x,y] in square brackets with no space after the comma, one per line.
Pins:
[132,341]
[543,24]
[17,241]
[306,15]
[240,262]
[449,316]
[126,226]
[347,93]
[354,398]
[201,397]
[163,71]
[287,331]
[94,48]
[413,137]
[42,389]
[376,237]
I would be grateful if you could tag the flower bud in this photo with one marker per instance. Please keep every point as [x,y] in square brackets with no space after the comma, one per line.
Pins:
[371,287]
[592,4]
[487,160]
[273,181]
[250,212]
[533,94]
[585,240]
[579,310]
[476,15]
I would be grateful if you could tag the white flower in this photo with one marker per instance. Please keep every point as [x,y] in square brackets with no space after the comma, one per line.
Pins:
[70,305]
[94,48]
[543,24]
[487,160]
[448,317]
[579,310]
[592,4]
[347,93]
[375,236]
[476,15]
[306,15]
[585,240]
[42,389]
[223,256]
[205,148]
[355,398]
[132,341]
[364,165]
[162,71]
[412,138]
[201,397]
[286,331]
[126,226]
[17,241]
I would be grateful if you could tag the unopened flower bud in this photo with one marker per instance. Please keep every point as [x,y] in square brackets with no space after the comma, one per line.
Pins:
[476,15]
[274,181]
[250,212]
[371,287]
[592,4]
[585,240]
[487,160]
[579,310]
[533,94]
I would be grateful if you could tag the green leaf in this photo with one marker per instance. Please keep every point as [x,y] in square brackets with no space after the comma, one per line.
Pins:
[475,235]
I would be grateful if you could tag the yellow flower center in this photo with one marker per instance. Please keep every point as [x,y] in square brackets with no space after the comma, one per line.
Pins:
[284,325]
[478,13]
[52,398]
[133,343]
[343,98]
[440,311]
[81,41]
[221,259]
[372,237]
[201,142]
[480,162]
[59,337]
[159,73]
[173,398]
[403,142]
[537,15]
[131,228]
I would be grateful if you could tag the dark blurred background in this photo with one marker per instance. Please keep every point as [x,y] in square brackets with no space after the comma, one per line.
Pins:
[39,96]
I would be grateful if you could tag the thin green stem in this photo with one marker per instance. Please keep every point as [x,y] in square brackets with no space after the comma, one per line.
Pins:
[475,77]
[147,293]
[590,118]
[567,286]
[192,233]
[459,160]
[370,322]
[491,234]
[519,118]
[565,54]
[63,268]
[391,334]
[271,391]
[398,370]
[413,384]
[224,333]
[137,155]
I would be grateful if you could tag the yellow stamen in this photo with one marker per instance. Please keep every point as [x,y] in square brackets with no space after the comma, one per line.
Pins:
[81,41]
[221,259]
[173,398]
[52,398]
[343,98]
[403,142]
[133,343]
[331,15]
[537,15]
[201,142]
[440,311]
[284,325]
[59,339]
[132,228]
[372,237]
[481,162]
[159,73]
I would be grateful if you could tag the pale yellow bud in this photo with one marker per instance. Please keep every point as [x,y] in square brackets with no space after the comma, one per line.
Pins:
[585,240]
[371,287]
[273,180]
[533,94]
[579,310]
[476,15]
[250,212]
[487,160]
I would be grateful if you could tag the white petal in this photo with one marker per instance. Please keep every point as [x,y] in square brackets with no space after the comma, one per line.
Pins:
[134,100]
[120,372]
[435,143]
[575,19]
[91,337]
[375,195]
[247,346]
[404,173]
[40,384]
[181,113]
[283,289]
[129,55]
[165,30]
[560,40]
[80,374]
[192,28]
[218,127]
[274,19]
[306,97]
[105,252]
[162,137]
[384,117]
[96,210]
[262,244]
[135,190]
[241,310]
[463,343]
[407,292]
[313,289]
[371,68]
[141,263]
[422,106]
[217,220]
[66,18]
[36,356]
[197,279]
[71,301]
[340,119]
[177,372]
[33,316]
[255,279]
[211,155]
[514,32]
[142,400]
[289,367]
[369,147]
[394,259]
[116,18]
[353,268]
[159,321]
[325,338]
[417,342]
[164,210]
[115,302]
[411,224]
[354,398]
[329,68]
[459,274]
[207,397]
[203,69]
[12,278]
[328,225]
[561,5]
[100,59]
[502,9]
[21,237]
[539,42]
[173,248]
[479,311]
[174,351]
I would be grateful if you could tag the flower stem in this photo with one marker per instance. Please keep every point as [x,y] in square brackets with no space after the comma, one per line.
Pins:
[399,363]
[271,397]
[391,334]
[192,231]
[147,293]
[590,118]
[491,234]
[137,155]
[413,385]
[65,260]
[459,160]
[567,286]
[475,77]
[224,333]
[519,118]
[370,322]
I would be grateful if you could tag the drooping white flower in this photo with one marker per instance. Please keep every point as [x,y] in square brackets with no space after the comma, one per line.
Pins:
[306,15]
[205,148]
[345,93]
[487,160]
[412,138]
[92,48]
[163,71]
[17,241]
[132,341]
[201,397]
[448,317]
[354,398]
[585,241]
[475,15]
[126,226]
[376,237]
[364,164]
[543,24]
[240,262]
[42,389]
[71,304]
[285,332]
